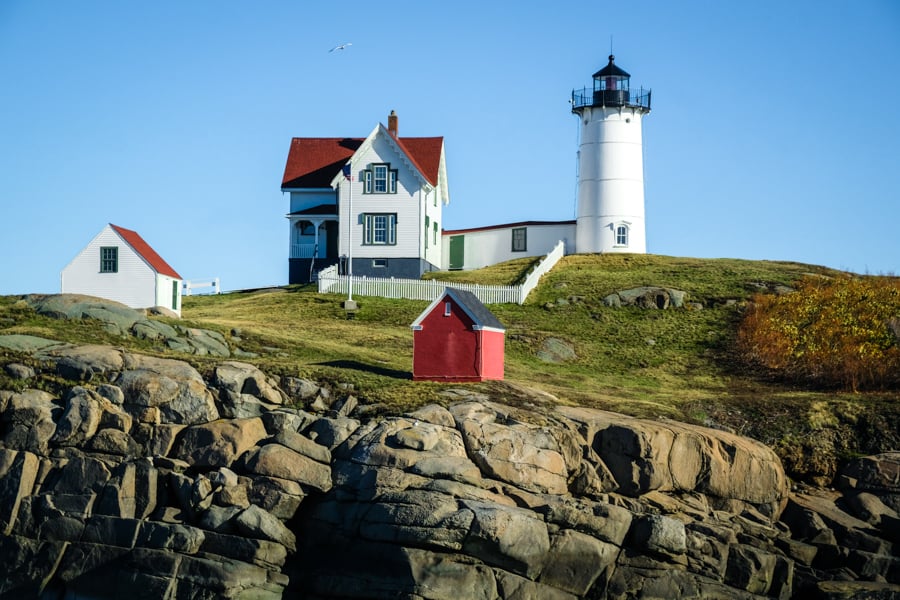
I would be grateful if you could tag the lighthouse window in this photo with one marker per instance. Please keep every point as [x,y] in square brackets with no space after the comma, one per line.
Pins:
[519,239]
[380,179]
[621,235]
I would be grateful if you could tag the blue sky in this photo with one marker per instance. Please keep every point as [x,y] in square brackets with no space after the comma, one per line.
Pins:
[774,132]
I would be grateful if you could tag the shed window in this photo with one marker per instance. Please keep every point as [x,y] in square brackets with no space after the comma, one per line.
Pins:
[447,309]
[520,239]
[109,259]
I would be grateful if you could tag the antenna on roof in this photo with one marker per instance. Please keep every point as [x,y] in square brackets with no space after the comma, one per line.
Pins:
[610,43]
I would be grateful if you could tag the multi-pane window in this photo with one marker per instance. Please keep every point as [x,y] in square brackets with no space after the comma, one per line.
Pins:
[380,229]
[427,225]
[519,239]
[379,178]
[435,233]
[109,259]
[621,235]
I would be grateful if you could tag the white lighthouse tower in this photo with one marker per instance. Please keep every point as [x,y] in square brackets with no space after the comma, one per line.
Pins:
[610,164]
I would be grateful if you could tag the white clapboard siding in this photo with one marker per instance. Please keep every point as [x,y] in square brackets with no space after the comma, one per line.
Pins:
[136,283]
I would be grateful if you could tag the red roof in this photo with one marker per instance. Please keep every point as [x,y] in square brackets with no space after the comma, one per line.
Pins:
[145,251]
[313,162]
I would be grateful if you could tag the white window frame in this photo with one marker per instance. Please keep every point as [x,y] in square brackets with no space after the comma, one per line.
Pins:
[380,178]
[379,229]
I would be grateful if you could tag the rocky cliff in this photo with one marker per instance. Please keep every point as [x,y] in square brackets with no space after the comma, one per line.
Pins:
[145,479]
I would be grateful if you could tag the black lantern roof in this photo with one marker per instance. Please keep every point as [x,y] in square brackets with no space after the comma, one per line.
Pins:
[611,70]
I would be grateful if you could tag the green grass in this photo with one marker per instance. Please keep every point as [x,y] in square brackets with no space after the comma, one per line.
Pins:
[677,363]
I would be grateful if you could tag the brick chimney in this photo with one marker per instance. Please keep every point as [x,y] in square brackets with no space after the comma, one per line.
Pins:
[392,123]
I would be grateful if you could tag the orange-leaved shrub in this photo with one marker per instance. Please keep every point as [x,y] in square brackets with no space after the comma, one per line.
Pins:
[842,332]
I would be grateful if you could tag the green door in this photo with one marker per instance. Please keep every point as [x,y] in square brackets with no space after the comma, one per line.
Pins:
[457,251]
[174,295]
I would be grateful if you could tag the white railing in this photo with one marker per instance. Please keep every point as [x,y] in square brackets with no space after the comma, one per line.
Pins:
[543,268]
[303,250]
[420,289]
[189,285]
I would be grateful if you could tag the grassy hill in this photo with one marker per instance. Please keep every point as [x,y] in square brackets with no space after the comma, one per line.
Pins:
[676,363]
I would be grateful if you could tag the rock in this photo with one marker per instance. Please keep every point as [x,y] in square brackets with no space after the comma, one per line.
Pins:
[555,350]
[18,471]
[275,460]
[869,508]
[118,317]
[282,418]
[280,497]
[19,371]
[174,387]
[646,297]
[113,441]
[660,534]
[303,445]
[331,433]
[82,363]
[153,330]
[29,421]
[18,342]
[219,443]
[300,389]
[508,538]
[257,523]
[202,342]
[646,455]
[879,474]
[577,561]
[244,378]
[80,419]
[503,453]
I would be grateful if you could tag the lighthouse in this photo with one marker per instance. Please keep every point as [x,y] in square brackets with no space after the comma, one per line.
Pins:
[610,215]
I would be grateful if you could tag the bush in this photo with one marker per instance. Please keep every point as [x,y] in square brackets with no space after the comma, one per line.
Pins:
[842,332]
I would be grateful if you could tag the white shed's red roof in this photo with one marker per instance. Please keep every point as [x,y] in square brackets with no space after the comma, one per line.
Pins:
[138,244]
[314,162]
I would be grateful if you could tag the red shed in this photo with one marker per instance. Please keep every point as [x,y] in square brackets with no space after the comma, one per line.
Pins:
[457,339]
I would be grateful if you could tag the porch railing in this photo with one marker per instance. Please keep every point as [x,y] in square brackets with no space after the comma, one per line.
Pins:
[303,250]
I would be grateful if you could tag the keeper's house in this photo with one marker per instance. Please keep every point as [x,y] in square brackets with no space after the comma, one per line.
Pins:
[119,265]
[373,204]
[457,339]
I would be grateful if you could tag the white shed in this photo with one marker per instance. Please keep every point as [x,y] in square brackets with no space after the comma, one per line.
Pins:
[119,265]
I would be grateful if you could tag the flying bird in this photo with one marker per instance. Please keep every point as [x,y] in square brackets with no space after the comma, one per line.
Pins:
[341,47]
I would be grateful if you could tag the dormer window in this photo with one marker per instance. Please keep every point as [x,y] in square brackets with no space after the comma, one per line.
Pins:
[379,178]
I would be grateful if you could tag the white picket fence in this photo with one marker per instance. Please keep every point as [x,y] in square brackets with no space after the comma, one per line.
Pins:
[420,289]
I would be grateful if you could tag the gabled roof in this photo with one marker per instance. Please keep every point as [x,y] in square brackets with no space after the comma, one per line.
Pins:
[315,162]
[144,250]
[471,305]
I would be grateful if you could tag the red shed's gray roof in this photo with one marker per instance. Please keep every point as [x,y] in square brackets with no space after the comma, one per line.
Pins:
[471,305]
